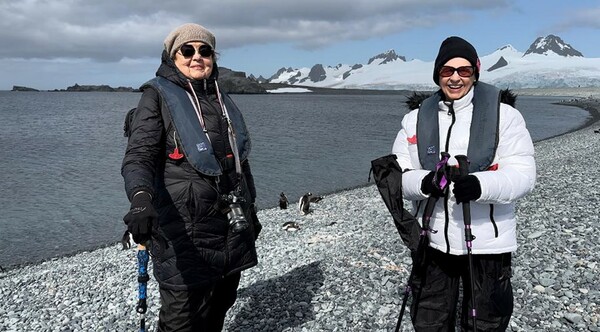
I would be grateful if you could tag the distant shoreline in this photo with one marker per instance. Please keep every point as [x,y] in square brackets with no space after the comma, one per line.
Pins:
[78,88]
[591,104]
[587,92]
[584,92]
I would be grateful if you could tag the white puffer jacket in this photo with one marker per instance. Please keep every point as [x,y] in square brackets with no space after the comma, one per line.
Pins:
[513,179]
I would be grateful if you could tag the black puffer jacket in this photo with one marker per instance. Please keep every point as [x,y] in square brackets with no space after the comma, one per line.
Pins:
[192,245]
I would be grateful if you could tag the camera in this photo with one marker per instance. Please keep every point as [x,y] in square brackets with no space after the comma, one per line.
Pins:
[235,214]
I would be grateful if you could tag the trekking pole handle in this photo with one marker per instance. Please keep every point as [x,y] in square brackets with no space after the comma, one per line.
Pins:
[463,167]
[143,278]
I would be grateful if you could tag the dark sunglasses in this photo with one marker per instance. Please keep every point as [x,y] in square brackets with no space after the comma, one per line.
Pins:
[464,71]
[188,51]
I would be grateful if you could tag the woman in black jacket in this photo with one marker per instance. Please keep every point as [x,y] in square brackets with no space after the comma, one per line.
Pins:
[192,194]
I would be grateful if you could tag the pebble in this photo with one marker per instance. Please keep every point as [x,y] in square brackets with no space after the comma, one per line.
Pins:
[347,275]
[573,318]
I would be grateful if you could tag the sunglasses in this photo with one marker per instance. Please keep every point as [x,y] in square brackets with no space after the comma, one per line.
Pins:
[464,71]
[189,51]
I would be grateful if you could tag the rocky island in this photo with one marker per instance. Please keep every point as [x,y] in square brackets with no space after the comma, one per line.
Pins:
[98,88]
[233,82]
[22,88]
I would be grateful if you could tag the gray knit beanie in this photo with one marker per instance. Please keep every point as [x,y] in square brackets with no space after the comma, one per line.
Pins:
[187,33]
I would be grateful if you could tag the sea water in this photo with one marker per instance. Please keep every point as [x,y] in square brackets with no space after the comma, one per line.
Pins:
[61,155]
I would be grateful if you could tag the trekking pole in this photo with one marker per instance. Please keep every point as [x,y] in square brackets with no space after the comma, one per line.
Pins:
[142,306]
[431,201]
[427,213]
[463,165]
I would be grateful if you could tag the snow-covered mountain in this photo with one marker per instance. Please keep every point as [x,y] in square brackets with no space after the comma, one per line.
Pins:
[549,62]
[552,44]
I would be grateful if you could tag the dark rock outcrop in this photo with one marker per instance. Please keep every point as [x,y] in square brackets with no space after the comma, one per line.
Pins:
[349,72]
[23,88]
[258,79]
[236,82]
[499,64]
[98,88]
[317,73]
[388,56]
[552,43]
[281,71]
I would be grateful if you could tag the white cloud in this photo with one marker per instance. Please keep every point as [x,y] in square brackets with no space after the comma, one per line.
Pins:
[110,30]
[34,33]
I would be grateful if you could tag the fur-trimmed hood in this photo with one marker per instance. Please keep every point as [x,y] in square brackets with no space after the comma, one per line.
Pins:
[414,101]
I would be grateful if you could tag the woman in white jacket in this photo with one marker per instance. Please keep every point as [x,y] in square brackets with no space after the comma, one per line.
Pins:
[473,119]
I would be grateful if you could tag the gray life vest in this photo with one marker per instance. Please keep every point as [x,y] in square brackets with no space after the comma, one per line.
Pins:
[195,143]
[484,132]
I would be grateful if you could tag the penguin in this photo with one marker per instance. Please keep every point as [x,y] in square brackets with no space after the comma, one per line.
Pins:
[127,241]
[283,201]
[291,226]
[304,204]
[315,199]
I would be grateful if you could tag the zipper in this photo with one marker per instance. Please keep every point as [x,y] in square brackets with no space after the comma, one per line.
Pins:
[446,197]
[449,133]
[447,222]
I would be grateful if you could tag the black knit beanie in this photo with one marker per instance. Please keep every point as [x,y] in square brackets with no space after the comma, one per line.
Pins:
[455,47]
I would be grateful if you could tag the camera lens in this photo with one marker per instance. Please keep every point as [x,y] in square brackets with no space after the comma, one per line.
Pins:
[237,220]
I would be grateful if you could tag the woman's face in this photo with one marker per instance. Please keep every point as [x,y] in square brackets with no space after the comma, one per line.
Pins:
[195,65]
[458,84]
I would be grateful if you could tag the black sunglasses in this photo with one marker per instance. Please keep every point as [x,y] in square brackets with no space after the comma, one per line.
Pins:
[189,51]
[464,71]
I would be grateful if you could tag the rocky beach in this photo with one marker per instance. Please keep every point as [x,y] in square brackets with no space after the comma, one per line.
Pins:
[345,268]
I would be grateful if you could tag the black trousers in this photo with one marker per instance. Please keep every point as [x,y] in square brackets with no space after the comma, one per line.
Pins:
[435,291]
[198,310]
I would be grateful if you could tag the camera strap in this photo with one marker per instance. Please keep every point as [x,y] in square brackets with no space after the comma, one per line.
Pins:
[231,134]
[196,103]
[230,128]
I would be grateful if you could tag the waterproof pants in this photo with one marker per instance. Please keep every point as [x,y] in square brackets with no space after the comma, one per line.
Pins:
[202,309]
[435,292]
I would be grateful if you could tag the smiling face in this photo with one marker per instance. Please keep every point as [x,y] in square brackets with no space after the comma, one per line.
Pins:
[455,86]
[195,67]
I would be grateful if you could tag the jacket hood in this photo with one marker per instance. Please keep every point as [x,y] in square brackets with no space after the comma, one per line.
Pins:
[414,101]
[169,70]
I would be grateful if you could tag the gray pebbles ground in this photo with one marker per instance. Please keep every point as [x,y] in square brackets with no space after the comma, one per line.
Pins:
[345,268]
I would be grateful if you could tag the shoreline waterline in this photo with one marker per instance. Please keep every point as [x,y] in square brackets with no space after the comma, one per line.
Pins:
[591,104]
[344,269]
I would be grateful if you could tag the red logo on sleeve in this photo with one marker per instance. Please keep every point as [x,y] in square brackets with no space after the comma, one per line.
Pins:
[412,140]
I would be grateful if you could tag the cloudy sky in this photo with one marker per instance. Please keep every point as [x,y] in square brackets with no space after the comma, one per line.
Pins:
[52,44]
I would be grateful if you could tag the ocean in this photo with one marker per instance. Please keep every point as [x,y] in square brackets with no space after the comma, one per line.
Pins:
[62,191]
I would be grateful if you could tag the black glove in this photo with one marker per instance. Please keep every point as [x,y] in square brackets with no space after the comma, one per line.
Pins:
[430,187]
[467,188]
[140,217]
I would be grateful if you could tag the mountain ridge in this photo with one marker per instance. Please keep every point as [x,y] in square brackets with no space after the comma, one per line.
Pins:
[549,62]
[552,43]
